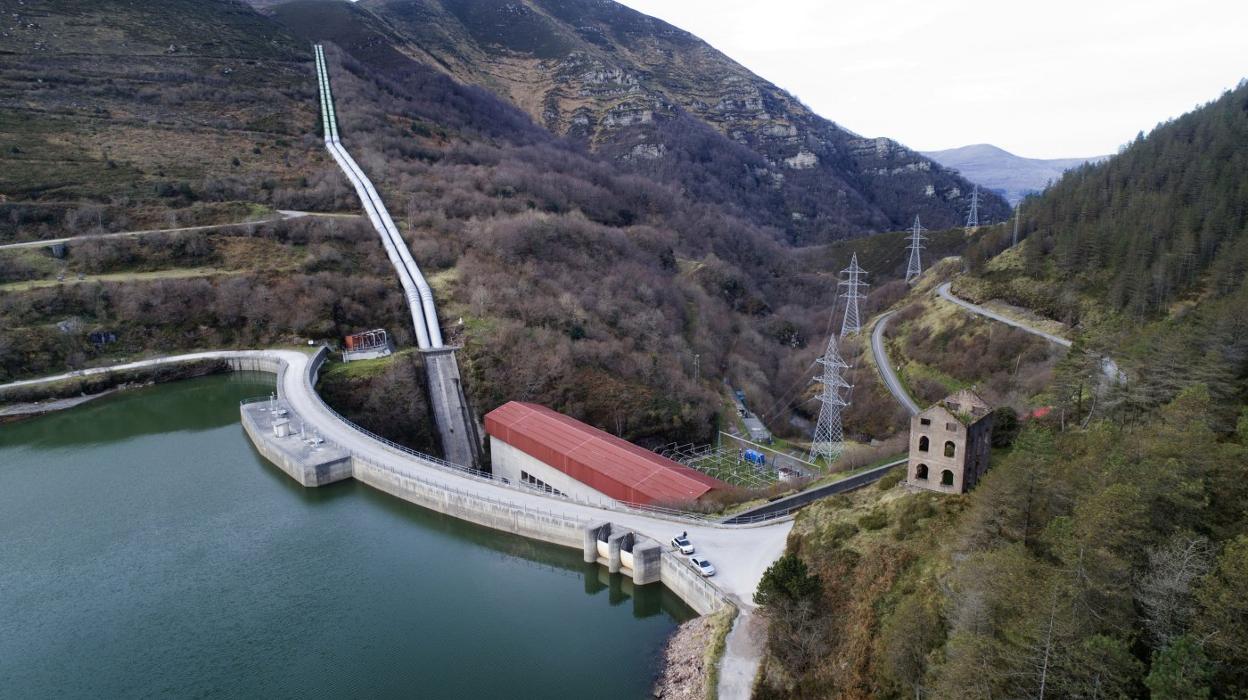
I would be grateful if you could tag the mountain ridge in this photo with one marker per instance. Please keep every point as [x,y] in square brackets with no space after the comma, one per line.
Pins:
[662,103]
[1008,174]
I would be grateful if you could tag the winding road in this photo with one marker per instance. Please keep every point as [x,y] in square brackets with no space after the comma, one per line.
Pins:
[740,553]
[886,365]
[889,375]
[945,293]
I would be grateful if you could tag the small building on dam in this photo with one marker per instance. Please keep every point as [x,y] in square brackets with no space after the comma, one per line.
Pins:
[544,449]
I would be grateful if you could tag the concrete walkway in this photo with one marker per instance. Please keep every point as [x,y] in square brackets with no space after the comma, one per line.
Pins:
[886,366]
[740,553]
[947,295]
[743,654]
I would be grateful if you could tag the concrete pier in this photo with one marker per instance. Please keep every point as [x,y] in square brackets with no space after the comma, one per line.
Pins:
[304,461]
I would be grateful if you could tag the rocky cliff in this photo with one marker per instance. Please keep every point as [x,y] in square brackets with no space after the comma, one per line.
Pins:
[662,102]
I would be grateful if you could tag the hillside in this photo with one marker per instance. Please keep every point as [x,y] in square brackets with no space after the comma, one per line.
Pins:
[657,101]
[1011,176]
[1105,552]
[1148,254]
[114,116]
[191,113]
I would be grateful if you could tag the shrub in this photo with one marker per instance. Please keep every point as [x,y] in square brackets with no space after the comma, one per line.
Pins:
[875,520]
[1005,426]
[891,479]
[788,580]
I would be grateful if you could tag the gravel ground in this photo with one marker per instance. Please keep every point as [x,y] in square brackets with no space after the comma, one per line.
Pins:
[683,676]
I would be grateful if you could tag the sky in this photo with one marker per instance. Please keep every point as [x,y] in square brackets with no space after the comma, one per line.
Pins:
[1049,79]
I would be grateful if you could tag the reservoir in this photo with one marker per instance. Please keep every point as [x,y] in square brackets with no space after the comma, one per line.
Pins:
[146,550]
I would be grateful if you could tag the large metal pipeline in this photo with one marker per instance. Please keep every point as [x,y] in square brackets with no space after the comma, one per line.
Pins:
[416,288]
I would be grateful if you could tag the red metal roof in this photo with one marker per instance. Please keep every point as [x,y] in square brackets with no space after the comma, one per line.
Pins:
[597,459]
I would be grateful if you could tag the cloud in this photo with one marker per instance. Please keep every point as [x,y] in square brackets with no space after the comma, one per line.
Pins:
[1056,79]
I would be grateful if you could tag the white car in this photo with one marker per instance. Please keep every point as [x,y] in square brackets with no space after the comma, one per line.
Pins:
[703,566]
[682,544]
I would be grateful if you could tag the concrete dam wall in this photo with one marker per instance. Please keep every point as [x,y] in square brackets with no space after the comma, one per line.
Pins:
[277,437]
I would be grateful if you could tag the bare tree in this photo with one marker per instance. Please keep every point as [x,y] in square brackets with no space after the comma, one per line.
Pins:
[1165,590]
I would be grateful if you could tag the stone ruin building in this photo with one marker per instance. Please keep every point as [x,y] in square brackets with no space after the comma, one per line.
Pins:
[950,444]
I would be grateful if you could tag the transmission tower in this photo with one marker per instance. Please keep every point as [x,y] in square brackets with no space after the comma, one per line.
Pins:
[1018,212]
[915,268]
[972,219]
[829,437]
[850,323]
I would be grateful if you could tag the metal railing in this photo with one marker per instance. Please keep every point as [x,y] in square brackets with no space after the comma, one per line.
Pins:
[430,461]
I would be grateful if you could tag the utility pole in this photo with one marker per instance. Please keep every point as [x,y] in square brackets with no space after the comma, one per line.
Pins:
[972,219]
[697,368]
[829,437]
[850,323]
[1018,212]
[915,268]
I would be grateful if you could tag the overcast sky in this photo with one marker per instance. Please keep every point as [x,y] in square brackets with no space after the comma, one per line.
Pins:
[1049,79]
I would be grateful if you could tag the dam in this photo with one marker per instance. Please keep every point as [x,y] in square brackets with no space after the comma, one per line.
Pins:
[151,550]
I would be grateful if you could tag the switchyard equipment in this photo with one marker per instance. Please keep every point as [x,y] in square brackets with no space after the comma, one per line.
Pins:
[728,464]
[366,346]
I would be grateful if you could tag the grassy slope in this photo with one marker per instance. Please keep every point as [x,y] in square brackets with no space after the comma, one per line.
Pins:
[114,104]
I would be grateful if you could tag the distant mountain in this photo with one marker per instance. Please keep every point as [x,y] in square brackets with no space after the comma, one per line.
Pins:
[659,102]
[1012,176]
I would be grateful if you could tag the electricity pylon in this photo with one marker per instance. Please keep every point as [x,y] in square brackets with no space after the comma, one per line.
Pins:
[915,268]
[829,437]
[850,323]
[1018,212]
[972,219]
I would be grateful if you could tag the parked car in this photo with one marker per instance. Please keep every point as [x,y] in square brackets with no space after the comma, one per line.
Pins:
[703,566]
[682,544]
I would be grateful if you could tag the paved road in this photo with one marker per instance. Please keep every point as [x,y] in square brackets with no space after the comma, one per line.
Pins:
[282,216]
[886,365]
[789,504]
[740,553]
[947,295]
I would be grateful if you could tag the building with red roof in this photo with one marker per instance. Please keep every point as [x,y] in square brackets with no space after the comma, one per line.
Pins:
[534,445]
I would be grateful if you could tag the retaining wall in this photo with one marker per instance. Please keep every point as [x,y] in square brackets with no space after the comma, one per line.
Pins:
[303,463]
[535,524]
[499,515]
[271,365]
[693,588]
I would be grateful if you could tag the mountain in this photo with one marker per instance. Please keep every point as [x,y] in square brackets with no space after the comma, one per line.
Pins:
[112,107]
[1011,176]
[1148,252]
[1105,552]
[657,101]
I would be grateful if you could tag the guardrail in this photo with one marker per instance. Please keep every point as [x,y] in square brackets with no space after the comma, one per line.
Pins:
[426,460]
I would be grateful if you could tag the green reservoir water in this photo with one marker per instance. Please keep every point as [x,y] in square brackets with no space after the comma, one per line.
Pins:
[147,551]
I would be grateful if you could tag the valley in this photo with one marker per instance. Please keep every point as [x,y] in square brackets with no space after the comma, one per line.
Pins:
[569,209]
